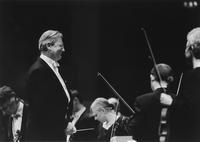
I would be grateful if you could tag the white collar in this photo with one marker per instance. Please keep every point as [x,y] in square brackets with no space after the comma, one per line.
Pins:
[49,61]
[196,63]
[19,110]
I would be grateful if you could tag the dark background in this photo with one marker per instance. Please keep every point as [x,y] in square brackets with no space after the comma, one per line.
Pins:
[100,36]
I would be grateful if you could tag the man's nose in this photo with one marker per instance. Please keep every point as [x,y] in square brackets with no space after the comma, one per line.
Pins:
[63,49]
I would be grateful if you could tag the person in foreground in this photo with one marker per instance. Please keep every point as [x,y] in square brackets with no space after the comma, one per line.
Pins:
[47,92]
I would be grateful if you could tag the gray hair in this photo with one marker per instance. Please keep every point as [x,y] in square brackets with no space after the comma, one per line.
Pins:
[101,103]
[49,37]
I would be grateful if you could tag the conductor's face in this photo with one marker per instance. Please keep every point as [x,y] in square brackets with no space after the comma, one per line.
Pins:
[57,49]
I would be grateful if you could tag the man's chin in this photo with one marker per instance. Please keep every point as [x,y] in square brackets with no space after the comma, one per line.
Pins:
[59,58]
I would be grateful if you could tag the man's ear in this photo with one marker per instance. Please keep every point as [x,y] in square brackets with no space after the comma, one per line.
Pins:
[102,109]
[170,79]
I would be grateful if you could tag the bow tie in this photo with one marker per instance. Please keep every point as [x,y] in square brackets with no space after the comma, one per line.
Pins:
[16,116]
[56,64]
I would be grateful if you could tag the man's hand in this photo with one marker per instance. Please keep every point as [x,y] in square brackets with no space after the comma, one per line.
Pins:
[165,99]
[70,129]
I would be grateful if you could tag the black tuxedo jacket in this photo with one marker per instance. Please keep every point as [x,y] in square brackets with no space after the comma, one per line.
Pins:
[148,116]
[48,103]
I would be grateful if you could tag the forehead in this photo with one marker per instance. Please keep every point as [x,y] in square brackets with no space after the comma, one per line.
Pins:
[96,109]
[58,40]
[94,112]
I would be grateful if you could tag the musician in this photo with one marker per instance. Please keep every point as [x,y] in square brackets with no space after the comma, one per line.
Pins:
[47,92]
[80,119]
[106,114]
[13,115]
[148,106]
[186,126]
[115,103]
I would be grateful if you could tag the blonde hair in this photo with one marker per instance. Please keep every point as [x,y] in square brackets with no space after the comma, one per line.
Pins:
[101,103]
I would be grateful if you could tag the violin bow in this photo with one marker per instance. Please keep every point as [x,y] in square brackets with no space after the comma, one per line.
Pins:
[115,92]
[162,134]
[119,97]
[179,84]
[152,56]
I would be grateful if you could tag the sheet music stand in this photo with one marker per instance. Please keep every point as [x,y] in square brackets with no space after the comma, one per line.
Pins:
[122,139]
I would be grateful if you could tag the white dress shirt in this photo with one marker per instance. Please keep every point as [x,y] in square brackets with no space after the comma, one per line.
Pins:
[17,121]
[54,66]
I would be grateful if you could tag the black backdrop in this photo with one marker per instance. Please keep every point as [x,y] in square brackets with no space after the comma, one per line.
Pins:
[99,36]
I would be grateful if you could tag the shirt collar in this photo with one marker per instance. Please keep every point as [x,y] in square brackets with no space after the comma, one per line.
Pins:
[49,61]
[19,111]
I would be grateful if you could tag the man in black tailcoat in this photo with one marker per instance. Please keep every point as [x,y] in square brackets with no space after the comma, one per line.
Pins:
[47,92]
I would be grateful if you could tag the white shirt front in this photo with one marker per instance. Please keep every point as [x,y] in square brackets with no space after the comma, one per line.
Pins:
[17,121]
[54,66]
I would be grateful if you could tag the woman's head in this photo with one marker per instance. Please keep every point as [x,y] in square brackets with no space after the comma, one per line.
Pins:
[100,108]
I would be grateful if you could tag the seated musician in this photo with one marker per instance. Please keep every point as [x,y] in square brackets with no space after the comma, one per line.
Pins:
[81,126]
[149,106]
[106,114]
[115,103]
[11,111]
